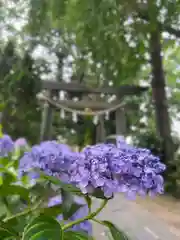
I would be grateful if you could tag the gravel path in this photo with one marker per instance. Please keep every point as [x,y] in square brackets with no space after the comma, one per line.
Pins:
[136,221]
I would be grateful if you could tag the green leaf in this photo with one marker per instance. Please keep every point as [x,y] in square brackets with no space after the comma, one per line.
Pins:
[98,193]
[1,133]
[25,179]
[67,201]
[115,232]
[14,163]
[6,231]
[76,236]
[9,174]
[69,207]
[45,234]
[4,161]
[73,209]
[53,211]
[65,186]
[9,177]
[1,180]
[42,189]
[57,9]
[44,227]
[6,190]
[2,106]
[89,202]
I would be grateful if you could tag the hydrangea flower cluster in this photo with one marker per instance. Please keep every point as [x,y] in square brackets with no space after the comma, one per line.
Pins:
[21,143]
[6,145]
[124,169]
[85,226]
[49,156]
[110,168]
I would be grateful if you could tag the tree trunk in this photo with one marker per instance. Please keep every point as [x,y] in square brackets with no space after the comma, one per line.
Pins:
[159,96]
[161,110]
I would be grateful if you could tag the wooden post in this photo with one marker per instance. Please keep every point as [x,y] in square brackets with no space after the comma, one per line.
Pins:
[1,116]
[100,130]
[120,122]
[47,119]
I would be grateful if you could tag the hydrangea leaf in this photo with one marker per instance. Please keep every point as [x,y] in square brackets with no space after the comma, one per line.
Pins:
[89,201]
[98,193]
[77,236]
[44,227]
[73,209]
[42,189]
[1,134]
[68,205]
[115,232]
[6,190]
[65,186]
[6,231]
[67,201]
[4,161]
[52,211]
[9,177]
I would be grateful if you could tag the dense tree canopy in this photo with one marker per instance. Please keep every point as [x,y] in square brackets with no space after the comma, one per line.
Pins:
[109,42]
[19,86]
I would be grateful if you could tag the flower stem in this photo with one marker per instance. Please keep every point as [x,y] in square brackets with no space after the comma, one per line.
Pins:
[24,213]
[97,221]
[88,217]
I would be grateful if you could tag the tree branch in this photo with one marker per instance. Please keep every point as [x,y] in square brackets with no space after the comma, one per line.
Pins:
[172,31]
[142,11]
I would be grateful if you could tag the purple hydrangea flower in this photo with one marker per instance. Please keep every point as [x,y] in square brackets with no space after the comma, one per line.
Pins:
[21,142]
[83,211]
[49,157]
[121,142]
[93,171]
[6,145]
[110,168]
[125,169]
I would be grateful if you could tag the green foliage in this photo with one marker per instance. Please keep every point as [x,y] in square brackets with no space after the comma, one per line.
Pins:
[76,236]
[112,35]
[6,231]
[66,187]
[68,206]
[26,216]
[43,227]
[19,86]
[114,43]
[7,190]
[115,232]
[52,211]
[35,220]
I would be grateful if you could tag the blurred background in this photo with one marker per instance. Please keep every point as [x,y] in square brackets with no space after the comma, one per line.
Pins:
[99,43]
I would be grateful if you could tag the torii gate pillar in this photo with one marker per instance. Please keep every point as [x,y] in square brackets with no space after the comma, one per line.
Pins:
[121,125]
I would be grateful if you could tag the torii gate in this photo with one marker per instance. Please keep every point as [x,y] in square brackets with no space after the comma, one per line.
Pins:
[86,106]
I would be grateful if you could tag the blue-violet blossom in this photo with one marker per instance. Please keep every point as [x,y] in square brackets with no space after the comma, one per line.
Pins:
[6,145]
[21,142]
[49,157]
[85,226]
[110,168]
[118,169]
